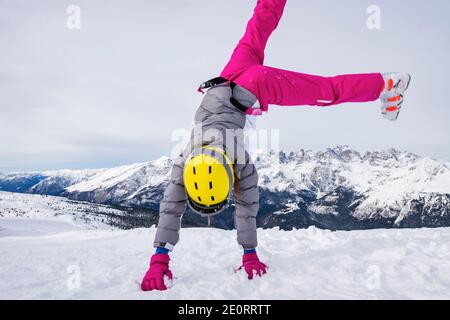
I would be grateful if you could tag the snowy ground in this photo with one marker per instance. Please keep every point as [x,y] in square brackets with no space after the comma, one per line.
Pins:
[50,260]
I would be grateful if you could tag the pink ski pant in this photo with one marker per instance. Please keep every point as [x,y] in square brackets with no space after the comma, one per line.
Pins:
[288,88]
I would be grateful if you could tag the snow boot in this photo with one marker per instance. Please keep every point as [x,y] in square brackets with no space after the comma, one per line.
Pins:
[395,85]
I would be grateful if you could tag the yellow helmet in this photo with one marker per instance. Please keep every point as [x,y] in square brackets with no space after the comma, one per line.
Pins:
[208,179]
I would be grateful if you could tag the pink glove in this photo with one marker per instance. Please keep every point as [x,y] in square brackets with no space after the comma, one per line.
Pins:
[154,278]
[251,263]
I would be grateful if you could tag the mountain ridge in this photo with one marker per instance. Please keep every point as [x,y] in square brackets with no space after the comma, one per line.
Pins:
[337,188]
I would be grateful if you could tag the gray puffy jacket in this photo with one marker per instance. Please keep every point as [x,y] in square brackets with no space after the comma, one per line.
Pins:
[215,112]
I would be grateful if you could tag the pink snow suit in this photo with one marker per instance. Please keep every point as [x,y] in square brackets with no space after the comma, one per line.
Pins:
[288,88]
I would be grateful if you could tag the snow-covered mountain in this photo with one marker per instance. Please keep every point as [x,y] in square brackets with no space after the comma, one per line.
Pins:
[133,185]
[46,182]
[20,182]
[390,186]
[338,188]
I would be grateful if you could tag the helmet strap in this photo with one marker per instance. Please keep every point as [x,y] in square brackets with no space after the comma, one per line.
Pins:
[210,221]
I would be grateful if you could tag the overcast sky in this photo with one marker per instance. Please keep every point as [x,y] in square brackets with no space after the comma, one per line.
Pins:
[112,92]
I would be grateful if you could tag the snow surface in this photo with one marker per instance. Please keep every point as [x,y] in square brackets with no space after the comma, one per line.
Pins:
[37,263]
[52,209]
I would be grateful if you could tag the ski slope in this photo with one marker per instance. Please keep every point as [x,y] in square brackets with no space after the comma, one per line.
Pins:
[39,262]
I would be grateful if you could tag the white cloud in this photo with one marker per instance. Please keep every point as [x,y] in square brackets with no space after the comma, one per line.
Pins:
[114,91]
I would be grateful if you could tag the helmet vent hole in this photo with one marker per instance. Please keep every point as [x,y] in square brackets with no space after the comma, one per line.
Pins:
[212,198]
[196,186]
[199,199]
[210,185]
[210,169]
[193,168]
